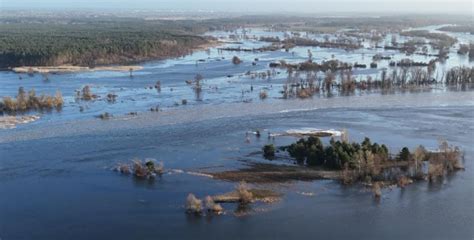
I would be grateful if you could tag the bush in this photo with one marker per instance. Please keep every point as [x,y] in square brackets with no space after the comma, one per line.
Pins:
[404,181]
[111,97]
[123,168]
[86,94]
[213,207]
[236,60]
[245,196]
[105,116]
[139,170]
[377,190]
[269,151]
[148,169]
[193,204]
[435,171]
[463,49]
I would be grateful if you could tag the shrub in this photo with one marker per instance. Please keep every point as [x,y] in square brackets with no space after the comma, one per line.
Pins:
[58,100]
[139,170]
[269,151]
[263,95]
[404,181]
[463,49]
[245,196]
[9,104]
[304,93]
[377,190]
[213,207]
[419,155]
[158,168]
[147,169]
[87,94]
[105,116]
[193,204]
[158,85]
[347,175]
[123,168]
[236,60]
[451,156]
[111,97]
[435,171]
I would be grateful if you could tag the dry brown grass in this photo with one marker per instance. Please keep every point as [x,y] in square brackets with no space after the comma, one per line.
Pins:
[29,101]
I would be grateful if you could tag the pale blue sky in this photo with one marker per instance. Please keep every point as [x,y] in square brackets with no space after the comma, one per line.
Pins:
[426,6]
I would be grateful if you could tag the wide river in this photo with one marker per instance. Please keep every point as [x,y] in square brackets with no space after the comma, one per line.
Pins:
[56,180]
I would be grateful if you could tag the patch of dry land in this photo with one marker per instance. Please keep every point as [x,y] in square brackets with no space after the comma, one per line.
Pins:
[273,173]
[70,68]
[258,195]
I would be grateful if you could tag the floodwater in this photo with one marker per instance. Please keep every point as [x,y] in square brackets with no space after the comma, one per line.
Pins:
[56,180]
[223,81]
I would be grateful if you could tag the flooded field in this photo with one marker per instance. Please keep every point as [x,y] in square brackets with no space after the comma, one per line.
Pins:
[222,81]
[56,177]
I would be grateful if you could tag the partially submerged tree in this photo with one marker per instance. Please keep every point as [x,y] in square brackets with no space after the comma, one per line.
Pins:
[86,94]
[193,204]
[213,207]
[245,196]
[236,60]
[269,151]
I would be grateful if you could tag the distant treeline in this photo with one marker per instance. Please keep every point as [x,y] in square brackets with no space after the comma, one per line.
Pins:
[97,40]
[442,38]
[458,28]
[95,43]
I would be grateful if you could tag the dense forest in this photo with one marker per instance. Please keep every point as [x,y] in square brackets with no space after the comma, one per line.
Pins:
[87,43]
